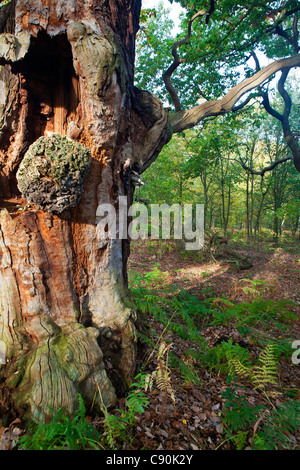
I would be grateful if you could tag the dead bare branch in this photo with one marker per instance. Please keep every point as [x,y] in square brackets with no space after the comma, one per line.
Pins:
[186,119]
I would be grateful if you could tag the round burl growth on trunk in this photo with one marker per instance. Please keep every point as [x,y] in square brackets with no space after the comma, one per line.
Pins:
[53,173]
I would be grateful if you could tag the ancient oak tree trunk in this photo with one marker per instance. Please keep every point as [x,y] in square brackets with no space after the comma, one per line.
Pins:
[73,129]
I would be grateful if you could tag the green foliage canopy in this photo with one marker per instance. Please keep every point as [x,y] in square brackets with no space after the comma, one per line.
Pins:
[219,53]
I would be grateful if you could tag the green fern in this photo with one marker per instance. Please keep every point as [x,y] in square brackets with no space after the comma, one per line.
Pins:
[188,372]
[114,429]
[279,427]
[223,356]
[62,433]
[275,428]
[240,439]
[239,414]
[267,313]
[136,401]
[263,375]
[180,312]
[117,426]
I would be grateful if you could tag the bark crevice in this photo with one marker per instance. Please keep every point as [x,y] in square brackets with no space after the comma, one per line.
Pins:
[65,288]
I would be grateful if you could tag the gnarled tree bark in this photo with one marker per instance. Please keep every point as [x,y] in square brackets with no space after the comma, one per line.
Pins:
[67,76]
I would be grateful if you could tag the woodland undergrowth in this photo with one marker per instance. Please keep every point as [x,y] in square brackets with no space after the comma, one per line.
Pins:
[249,367]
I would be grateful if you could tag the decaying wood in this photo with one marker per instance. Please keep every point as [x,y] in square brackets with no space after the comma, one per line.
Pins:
[186,119]
[218,245]
[215,246]
[64,313]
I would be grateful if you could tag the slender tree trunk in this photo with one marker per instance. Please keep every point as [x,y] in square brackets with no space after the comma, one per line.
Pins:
[252,207]
[275,221]
[247,209]
[67,87]
[205,191]
[260,210]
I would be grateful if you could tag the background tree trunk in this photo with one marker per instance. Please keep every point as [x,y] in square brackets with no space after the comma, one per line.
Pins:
[64,310]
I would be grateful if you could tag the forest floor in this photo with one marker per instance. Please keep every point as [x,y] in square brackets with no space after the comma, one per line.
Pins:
[208,322]
[194,417]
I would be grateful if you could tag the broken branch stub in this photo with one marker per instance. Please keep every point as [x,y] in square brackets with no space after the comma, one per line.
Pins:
[13,48]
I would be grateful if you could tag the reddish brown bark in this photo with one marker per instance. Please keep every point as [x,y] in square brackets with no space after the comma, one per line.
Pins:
[59,281]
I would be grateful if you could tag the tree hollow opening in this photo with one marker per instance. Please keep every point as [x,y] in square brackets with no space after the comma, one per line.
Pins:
[52,85]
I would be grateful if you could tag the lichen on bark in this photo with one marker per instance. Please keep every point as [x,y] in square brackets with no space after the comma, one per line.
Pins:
[53,172]
[60,284]
[59,369]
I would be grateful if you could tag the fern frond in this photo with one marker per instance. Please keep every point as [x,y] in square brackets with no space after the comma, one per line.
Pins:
[280,426]
[240,439]
[266,372]
[161,376]
[114,428]
[262,375]
[149,382]
[236,367]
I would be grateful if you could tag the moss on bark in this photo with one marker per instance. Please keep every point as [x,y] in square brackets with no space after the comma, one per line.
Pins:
[53,172]
[60,368]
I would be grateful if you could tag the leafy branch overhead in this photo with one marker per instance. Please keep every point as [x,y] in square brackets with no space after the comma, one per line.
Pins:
[177,60]
[183,120]
[215,61]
